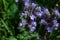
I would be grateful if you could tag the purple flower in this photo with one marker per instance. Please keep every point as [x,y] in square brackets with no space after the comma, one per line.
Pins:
[27,4]
[49,29]
[38,14]
[20,24]
[16,0]
[32,29]
[54,21]
[56,12]
[46,11]
[32,17]
[56,25]
[33,4]
[34,23]
[43,21]
[38,8]
[24,22]
[24,14]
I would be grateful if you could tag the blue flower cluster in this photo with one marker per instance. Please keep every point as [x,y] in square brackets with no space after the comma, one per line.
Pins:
[32,11]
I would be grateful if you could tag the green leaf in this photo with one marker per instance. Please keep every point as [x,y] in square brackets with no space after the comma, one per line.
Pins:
[13,9]
[58,36]
[12,38]
[5,4]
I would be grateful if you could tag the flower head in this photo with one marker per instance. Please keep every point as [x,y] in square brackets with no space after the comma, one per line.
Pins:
[56,12]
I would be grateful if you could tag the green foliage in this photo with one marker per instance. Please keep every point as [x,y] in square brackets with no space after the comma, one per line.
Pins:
[12,38]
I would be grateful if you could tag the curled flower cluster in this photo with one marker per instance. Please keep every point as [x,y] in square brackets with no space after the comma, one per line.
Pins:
[32,12]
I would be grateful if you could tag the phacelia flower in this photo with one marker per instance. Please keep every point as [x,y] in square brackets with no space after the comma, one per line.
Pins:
[38,14]
[27,4]
[24,14]
[54,21]
[56,12]
[20,24]
[43,21]
[24,21]
[32,29]
[49,29]
[56,25]
[33,23]
[38,8]
[46,11]
[33,4]
[16,0]
[32,17]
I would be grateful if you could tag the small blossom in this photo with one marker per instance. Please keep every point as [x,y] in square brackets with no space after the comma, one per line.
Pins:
[27,4]
[33,4]
[38,8]
[34,23]
[32,29]
[56,12]
[38,14]
[32,17]
[20,24]
[54,21]
[24,14]
[24,22]
[49,29]
[56,25]
[46,11]
[43,21]
[16,0]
